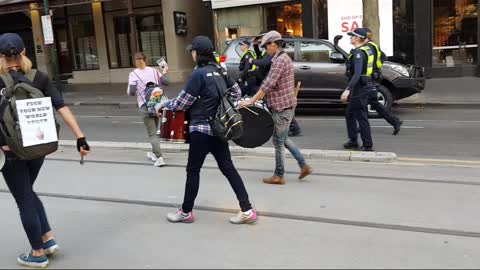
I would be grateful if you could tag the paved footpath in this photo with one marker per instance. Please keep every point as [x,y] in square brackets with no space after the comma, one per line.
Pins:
[110,213]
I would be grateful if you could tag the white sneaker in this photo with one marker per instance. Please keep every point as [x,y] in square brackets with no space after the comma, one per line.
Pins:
[248,217]
[151,156]
[160,162]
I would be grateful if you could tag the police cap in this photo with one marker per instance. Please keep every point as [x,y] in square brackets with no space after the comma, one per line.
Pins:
[359,32]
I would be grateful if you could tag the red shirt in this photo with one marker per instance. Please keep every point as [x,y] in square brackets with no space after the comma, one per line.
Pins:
[279,86]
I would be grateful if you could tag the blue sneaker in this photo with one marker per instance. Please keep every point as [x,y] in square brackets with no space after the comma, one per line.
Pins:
[28,260]
[50,247]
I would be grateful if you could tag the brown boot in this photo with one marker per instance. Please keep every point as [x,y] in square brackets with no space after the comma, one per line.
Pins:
[274,180]
[306,171]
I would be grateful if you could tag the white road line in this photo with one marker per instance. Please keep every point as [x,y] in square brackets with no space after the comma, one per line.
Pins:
[419,121]
[299,118]
[105,116]
[403,127]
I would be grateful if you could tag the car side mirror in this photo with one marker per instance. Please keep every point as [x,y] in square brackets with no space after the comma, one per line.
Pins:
[337,57]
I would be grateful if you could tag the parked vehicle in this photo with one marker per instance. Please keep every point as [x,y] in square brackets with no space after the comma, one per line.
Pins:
[320,66]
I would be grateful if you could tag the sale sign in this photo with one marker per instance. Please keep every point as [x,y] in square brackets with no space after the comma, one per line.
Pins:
[347,15]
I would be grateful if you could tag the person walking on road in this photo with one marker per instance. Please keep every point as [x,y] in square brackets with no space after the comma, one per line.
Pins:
[138,81]
[201,98]
[248,71]
[379,58]
[20,175]
[279,89]
[358,91]
[264,63]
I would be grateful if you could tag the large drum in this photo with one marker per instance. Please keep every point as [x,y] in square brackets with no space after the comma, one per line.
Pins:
[174,126]
[257,126]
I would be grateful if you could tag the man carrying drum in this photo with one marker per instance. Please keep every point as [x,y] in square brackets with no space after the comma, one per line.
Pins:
[279,89]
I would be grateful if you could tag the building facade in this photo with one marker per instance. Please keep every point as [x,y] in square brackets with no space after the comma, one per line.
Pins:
[93,38]
[441,35]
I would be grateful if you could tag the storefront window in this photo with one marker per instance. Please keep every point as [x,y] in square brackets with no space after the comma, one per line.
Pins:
[150,39]
[84,43]
[286,19]
[403,32]
[455,33]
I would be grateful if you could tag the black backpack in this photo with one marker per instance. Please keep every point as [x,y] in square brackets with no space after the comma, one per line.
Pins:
[227,123]
[9,124]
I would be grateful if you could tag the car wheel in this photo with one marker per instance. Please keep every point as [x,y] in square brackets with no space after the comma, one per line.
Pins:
[385,98]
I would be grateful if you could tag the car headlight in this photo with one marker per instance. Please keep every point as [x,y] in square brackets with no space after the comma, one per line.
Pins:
[401,69]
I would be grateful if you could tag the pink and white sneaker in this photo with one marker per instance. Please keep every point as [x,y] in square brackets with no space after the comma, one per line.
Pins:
[180,217]
[248,217]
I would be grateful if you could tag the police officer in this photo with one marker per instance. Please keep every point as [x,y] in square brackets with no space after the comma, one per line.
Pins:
[263,63]
[358,91]
[201,99]
[379,58]
[247,78]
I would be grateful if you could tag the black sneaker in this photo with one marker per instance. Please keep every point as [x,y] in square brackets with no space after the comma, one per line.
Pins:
[367,149]
[396,128]
[351,145]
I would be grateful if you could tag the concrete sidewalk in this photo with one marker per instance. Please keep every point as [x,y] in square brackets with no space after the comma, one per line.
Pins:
[462,91]
[266,152]
[446,91]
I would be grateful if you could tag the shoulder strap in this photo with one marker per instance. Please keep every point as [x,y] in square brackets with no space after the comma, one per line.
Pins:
[139,78]
[31,75]
[7,79]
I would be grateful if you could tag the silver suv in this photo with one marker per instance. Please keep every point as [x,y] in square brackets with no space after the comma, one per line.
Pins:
[320,66]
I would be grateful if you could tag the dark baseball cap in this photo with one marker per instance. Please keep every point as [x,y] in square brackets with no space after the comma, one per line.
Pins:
[263,33]
[11,44]
[202,45]
[245,42]
[359,32]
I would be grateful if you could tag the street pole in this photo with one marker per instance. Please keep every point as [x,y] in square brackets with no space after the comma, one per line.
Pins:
[133,29]
[53,53]
[371,18]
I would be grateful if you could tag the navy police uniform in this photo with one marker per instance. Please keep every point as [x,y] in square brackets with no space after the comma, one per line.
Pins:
[361,86]
[379,58]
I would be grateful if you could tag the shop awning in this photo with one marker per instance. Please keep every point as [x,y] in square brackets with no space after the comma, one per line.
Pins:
[217,4]
[12,6]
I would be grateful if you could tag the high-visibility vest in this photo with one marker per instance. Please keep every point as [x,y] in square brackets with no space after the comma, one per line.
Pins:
[379,63]
[370,62]
[217,57]
[253,67]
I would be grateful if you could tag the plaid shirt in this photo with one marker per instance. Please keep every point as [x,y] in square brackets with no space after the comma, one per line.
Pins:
[279,86]
[184,101]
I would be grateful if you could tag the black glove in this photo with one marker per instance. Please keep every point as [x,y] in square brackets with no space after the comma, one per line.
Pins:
[82,143]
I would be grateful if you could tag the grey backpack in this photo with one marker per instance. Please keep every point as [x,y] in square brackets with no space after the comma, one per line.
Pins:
[9,124]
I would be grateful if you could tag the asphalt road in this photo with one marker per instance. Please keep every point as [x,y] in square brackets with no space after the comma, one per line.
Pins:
[110,213]
[441,133]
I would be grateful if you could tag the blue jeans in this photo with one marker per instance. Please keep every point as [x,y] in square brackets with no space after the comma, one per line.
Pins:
[282,122]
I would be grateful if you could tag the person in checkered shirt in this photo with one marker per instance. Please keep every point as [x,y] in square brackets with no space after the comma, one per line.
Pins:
[278,87]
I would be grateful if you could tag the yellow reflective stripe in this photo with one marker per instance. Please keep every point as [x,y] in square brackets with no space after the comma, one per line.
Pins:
[379,54]
[253,67]
[217,57]
[370,62]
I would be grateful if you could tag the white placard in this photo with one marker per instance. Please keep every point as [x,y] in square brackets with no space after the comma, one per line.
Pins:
[347,15]
[47,29]
[37,122]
